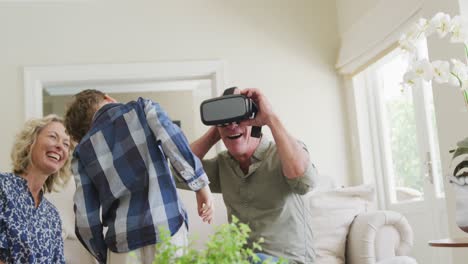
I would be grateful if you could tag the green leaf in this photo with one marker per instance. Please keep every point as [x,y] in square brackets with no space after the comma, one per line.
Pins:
[227,245]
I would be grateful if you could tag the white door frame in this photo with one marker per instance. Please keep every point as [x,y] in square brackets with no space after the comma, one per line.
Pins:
[36,78]
[39,78]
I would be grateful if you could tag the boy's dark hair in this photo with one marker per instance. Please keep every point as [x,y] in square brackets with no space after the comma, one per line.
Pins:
[80,112]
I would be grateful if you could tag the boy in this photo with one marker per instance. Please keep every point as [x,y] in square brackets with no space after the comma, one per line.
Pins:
[122,176]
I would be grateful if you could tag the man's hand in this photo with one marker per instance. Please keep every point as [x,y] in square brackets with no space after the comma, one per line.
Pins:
[205,204]
[294,158]
[265,111]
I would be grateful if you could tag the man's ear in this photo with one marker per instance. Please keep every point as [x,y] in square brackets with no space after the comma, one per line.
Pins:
[109,99]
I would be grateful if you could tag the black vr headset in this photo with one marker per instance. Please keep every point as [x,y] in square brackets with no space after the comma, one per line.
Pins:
[229,108]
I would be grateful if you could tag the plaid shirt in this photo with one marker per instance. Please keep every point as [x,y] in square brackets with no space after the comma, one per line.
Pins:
[122,178]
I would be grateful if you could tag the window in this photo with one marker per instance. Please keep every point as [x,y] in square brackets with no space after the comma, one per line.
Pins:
[397,132]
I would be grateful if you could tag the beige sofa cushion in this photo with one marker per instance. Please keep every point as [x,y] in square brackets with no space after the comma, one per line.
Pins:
[398,260]
[332,214]
[63,201]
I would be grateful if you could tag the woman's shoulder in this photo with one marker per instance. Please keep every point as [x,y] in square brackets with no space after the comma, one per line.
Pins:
[9,180]
[6,175]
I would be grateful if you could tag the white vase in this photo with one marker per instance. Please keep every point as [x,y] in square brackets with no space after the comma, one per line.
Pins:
[461,205]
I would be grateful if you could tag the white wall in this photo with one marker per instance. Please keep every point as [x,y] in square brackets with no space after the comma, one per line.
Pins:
[349,12]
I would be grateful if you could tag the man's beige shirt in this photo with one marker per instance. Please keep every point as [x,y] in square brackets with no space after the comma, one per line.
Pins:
[273,206]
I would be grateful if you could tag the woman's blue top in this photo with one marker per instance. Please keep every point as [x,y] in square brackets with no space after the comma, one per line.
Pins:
[27,234]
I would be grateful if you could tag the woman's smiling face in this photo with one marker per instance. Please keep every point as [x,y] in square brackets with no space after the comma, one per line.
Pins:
[51,149]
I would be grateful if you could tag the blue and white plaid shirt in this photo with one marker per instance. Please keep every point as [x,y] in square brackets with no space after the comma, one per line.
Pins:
[123,181]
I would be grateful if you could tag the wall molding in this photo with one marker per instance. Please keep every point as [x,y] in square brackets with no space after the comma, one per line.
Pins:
[37,78]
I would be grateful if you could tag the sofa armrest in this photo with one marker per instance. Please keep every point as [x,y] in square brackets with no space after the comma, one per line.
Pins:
[378,235]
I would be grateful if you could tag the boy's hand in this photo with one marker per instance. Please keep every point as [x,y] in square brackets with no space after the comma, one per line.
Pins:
[205,204]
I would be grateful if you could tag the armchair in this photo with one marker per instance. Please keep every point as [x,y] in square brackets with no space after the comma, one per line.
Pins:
[348,229]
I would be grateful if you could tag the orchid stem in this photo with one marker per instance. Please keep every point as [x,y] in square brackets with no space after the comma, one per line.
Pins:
[463,90]
[465,96]
[458,78]
[466,49]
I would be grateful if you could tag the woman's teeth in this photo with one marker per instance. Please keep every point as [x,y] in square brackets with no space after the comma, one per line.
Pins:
[54,156]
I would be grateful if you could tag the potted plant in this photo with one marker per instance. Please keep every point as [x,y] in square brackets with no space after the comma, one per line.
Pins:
[454,73]
[227,245]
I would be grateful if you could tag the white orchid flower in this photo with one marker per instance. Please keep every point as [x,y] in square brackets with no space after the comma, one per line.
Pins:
[410,78]
[424,27]
[459,73]
[424,69]
[464,86]
[456,72]
[407,45]
[441,23]
[418,30]
[453,80]
[441,71]
[460,68]
[459,29]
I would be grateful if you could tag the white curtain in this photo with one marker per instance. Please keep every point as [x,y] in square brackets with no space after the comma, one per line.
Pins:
[376,31]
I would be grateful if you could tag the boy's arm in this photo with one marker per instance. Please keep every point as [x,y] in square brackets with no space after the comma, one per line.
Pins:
[205,204]
[88,227]
[175,146]
[177,149]
[211,169]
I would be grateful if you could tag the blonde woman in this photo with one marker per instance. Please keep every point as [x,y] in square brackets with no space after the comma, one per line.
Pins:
[30,226]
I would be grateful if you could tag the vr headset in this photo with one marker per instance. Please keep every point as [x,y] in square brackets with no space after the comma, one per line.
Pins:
[229,108]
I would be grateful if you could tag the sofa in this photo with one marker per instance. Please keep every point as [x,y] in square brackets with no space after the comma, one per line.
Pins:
[379,237]
[347,228]
[75,253]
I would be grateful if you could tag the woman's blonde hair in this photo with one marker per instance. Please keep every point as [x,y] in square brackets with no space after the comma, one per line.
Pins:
[21,152]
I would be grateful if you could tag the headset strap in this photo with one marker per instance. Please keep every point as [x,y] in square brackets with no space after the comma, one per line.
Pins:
[229,91]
